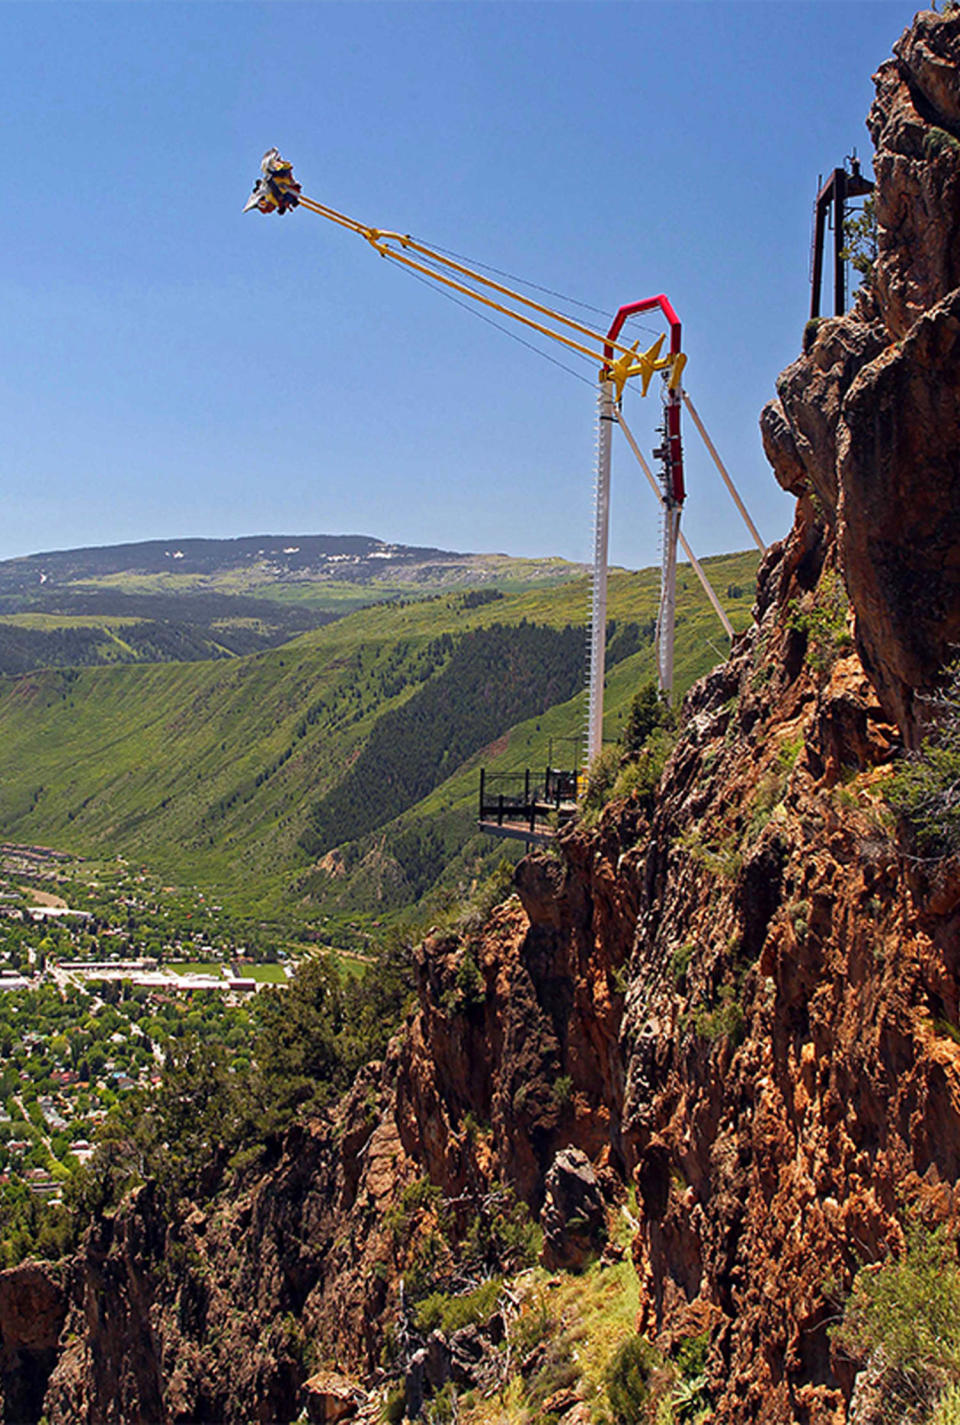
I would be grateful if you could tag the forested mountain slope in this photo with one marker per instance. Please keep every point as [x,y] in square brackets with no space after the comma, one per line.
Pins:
[241,774]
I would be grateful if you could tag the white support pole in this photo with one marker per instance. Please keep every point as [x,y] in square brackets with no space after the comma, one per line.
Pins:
[694,561]
[723,473]
[606,415]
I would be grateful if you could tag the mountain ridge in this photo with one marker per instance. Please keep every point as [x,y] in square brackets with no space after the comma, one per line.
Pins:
[263,560]
[195,599]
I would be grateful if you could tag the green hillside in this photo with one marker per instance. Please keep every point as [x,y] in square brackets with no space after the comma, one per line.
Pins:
[181,634]
[336,773]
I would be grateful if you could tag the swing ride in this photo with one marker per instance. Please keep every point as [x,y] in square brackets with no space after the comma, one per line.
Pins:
[617,364]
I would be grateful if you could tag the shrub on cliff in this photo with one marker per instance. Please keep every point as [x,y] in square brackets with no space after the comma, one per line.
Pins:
[925,790]
[642,776]
[860,232]
[493,891]
[647,740]
[441,1311]
[822,620]
[644,1387]
[636,763]
[648,710]
[601,776]
[906,1312]
[322,1029]
[948,1408]
[502,1237]
[628,1379]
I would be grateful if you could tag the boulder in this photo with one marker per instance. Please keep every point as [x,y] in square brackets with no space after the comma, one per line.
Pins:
[468,1347]
[573,1217]
[329,1397]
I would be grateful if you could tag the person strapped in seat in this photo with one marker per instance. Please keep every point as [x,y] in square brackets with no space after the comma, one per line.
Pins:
[276,191]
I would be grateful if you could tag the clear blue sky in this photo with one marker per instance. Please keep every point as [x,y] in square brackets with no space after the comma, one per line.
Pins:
[169,366]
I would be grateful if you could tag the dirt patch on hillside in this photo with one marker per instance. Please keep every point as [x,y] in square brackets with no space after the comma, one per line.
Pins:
[46,898]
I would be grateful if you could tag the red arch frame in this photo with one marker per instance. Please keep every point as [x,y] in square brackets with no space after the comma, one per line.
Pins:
[632,309]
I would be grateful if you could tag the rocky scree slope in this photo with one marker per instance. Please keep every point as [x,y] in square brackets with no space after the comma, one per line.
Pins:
[731,995]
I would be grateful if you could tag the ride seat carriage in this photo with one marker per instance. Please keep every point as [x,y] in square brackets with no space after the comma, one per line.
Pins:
[276,190]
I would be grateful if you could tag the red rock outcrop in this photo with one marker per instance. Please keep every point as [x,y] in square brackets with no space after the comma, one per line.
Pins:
[788,1089]
[868,419]
[32,1311]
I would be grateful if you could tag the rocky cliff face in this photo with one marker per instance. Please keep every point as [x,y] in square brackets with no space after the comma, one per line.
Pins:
[733,998]
[787,1090]
[867,421]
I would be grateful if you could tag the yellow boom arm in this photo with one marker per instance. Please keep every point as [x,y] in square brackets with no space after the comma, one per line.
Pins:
[618,362]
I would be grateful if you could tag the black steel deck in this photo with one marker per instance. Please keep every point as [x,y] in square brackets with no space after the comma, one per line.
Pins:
[526,807]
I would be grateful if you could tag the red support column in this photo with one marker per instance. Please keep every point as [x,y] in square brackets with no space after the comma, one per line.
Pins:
[633,309]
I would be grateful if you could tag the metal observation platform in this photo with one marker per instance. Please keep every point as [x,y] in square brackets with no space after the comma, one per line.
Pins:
[524,807]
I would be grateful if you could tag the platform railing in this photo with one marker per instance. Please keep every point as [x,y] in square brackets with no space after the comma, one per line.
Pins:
[525,799]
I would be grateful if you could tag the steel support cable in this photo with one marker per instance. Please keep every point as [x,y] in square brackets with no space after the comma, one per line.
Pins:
[695,563]
[497,327]
[436,262]
[442,255]
[723,473]
[380,239]
[432,277]
[536,287]
[524,281]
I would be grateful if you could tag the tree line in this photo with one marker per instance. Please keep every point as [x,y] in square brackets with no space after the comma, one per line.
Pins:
[496,677]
